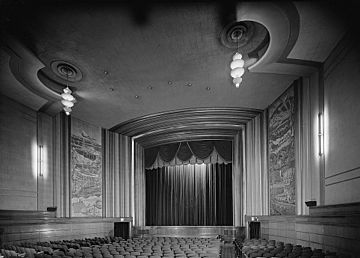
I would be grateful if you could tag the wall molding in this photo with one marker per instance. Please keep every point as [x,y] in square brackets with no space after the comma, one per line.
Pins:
[337,55]
[343,172]
[187,124]
[342,181]
[342,177]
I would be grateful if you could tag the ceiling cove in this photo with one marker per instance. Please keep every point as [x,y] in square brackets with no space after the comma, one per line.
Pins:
[177,59]
[187,125]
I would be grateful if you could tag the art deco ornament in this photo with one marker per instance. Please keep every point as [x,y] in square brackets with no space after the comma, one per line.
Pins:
[68,100]
[237,69]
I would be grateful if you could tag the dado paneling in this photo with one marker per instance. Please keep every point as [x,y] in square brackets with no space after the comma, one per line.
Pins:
[33,226]
[334,228]
[56,231]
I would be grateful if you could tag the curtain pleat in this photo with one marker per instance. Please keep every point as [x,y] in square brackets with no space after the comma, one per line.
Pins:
[202,149]
[224,148]
[189,195]
[116,166]
[184,153]
[150,156]
[167,152]
[196,152]
[140,192]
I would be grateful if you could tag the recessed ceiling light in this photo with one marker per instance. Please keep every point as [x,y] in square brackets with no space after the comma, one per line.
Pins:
[208,88]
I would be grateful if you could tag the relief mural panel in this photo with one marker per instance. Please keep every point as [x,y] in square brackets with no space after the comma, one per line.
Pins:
[281,149]
[86,170]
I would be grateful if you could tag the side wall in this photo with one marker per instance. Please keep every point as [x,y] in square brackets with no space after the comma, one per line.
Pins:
[342,124]
[313,232]
[23,187]
[331,227]
[21,131]
[332,178]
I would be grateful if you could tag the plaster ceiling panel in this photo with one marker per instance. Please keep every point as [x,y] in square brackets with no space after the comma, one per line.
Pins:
[321,28]
[110,108]
[168,60]
[13,89]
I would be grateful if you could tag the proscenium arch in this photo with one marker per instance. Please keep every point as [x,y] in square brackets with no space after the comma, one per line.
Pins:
[199,122]
[190,125]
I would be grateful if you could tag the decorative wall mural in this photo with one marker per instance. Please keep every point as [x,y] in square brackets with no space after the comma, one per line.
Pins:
[86,170]
[281,149]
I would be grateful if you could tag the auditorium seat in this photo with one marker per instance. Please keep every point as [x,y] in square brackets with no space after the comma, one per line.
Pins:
[254,248]
[152,247]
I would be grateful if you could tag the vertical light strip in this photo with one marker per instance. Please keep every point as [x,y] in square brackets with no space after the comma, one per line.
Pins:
[243,179]
[133,180]
[321,133]
[41,160]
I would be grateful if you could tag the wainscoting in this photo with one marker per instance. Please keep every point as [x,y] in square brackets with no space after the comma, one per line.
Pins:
[20,226]
[228,232]
[333,228]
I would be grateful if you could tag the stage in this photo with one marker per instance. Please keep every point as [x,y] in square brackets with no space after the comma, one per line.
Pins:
[229,233]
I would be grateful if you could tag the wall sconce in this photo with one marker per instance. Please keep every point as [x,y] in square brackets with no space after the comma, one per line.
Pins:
[321,133]
[41,160]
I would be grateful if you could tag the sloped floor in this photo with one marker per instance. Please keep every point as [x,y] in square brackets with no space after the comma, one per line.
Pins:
[228,251]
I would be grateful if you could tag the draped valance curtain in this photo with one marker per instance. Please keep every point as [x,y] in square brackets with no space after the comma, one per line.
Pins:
[191,152]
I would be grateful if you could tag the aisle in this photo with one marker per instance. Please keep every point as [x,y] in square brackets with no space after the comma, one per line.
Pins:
[228,251]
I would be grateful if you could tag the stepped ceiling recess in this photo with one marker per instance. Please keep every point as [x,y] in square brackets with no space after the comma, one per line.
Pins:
[135,60]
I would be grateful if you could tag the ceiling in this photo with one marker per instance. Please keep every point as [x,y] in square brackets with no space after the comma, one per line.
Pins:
[136,61]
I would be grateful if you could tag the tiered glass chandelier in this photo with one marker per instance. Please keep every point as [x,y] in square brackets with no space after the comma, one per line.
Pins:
[237,69]
[237,64]
[67,99]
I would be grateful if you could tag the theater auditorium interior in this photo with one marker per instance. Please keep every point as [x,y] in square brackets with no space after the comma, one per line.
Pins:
[148,129]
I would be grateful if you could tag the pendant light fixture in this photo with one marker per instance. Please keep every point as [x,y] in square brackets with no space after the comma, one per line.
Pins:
[68,100]
[237,64]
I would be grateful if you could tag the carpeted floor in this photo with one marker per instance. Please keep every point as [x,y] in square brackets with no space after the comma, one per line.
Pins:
[228,251]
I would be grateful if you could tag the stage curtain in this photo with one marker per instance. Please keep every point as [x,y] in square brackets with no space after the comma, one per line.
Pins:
[189,195]
[193,152]
[202,149]
[184,153]
[224,148]
[150,157]
[167,152]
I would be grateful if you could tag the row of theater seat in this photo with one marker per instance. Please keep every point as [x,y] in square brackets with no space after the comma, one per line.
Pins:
[75,243]
[117,248]
[52,248]
[254,248]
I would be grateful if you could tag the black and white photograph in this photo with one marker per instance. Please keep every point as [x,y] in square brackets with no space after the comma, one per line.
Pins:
[159,128]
